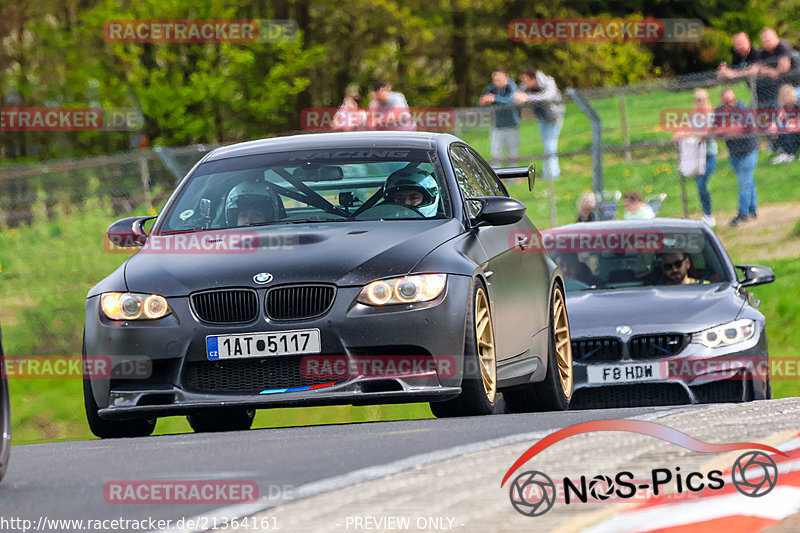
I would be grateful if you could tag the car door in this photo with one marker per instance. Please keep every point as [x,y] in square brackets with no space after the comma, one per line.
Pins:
[512,336]
[532,281]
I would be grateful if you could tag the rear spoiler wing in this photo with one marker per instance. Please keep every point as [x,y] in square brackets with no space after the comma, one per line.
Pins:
[511,173]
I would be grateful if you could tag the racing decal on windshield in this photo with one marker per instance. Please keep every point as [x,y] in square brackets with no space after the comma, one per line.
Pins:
[353,154]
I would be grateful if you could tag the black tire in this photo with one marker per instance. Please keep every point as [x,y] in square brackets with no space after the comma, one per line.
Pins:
[546,395]
[221,419]
[474,399]
[112,429]
[768,391]
[5,412]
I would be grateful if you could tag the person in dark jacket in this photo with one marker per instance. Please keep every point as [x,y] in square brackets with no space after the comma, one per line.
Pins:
[731,117]
[505,133]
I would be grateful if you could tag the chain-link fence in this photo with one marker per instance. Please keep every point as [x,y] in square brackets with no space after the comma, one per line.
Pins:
[613,140]
[143,177]
[620,139]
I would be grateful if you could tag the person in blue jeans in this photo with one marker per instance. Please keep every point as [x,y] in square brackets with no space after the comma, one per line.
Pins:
[712,152]
[541,90]
[702,104]
[742,155]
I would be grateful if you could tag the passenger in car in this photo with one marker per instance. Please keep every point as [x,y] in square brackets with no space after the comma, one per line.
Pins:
[675,268]
[575,269]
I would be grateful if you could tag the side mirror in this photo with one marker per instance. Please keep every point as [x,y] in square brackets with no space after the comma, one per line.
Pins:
[128,232]
[499,210]
[755,275]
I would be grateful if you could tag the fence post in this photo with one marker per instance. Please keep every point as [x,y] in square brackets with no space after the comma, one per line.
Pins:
[145,170]
[626,139]
[597,147]
[683,196]
[751,84]
[165,155]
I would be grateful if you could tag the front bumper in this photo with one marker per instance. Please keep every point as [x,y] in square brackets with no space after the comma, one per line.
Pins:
[691,376]
[177,343]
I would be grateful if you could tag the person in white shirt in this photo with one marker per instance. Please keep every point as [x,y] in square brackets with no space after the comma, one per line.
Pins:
[548,106]
[635,208]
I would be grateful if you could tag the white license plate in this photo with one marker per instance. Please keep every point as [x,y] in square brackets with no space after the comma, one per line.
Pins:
[628,373]
[260,344]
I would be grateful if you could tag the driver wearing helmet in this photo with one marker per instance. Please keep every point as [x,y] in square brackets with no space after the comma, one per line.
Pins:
[413,188]
[250,203]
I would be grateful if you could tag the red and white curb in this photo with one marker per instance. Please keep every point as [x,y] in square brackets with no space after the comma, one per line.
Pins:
[720,510]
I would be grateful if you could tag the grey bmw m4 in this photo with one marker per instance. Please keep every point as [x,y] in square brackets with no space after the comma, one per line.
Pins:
[345,268]
[660,315]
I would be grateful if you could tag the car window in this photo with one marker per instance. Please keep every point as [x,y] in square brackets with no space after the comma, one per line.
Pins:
[313,186]
[608,268]
[470,179]
[497,187]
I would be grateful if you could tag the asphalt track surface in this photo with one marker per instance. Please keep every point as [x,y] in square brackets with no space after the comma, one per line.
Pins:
[65,480]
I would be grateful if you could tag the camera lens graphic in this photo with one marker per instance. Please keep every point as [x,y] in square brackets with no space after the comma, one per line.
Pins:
[754,474]
[532,493]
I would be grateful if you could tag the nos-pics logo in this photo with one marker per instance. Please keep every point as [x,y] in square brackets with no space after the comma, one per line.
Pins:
[533,493]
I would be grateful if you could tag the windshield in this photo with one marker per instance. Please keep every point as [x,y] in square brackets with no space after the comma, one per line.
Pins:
[617,268]
[310,186]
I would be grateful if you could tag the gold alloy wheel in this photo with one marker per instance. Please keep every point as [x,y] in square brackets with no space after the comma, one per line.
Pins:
[563,342]
[484,334]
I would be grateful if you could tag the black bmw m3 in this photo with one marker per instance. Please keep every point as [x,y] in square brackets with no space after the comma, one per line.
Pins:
[345,268]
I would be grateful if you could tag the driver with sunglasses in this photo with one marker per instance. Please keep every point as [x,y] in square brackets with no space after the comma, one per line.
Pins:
[675,268]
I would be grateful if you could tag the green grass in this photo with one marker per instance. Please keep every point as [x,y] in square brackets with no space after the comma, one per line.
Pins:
[46,269]
[780,303]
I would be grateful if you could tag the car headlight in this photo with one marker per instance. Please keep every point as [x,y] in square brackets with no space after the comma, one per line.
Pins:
[405,290]
[134,306]
[726,334]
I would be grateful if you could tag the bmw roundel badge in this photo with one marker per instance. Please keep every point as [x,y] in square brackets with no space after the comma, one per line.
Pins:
[262,277]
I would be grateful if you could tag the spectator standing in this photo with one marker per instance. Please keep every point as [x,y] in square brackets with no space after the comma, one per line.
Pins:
[635,208]
[505,133]
[743,157]
[744,59]
[349,116]
[775,60]
[705,147]
[586,205]
[549,108]
[388,110]
[786,132]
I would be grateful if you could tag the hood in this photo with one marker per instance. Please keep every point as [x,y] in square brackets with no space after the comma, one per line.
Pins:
[343,253]
[686,309]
